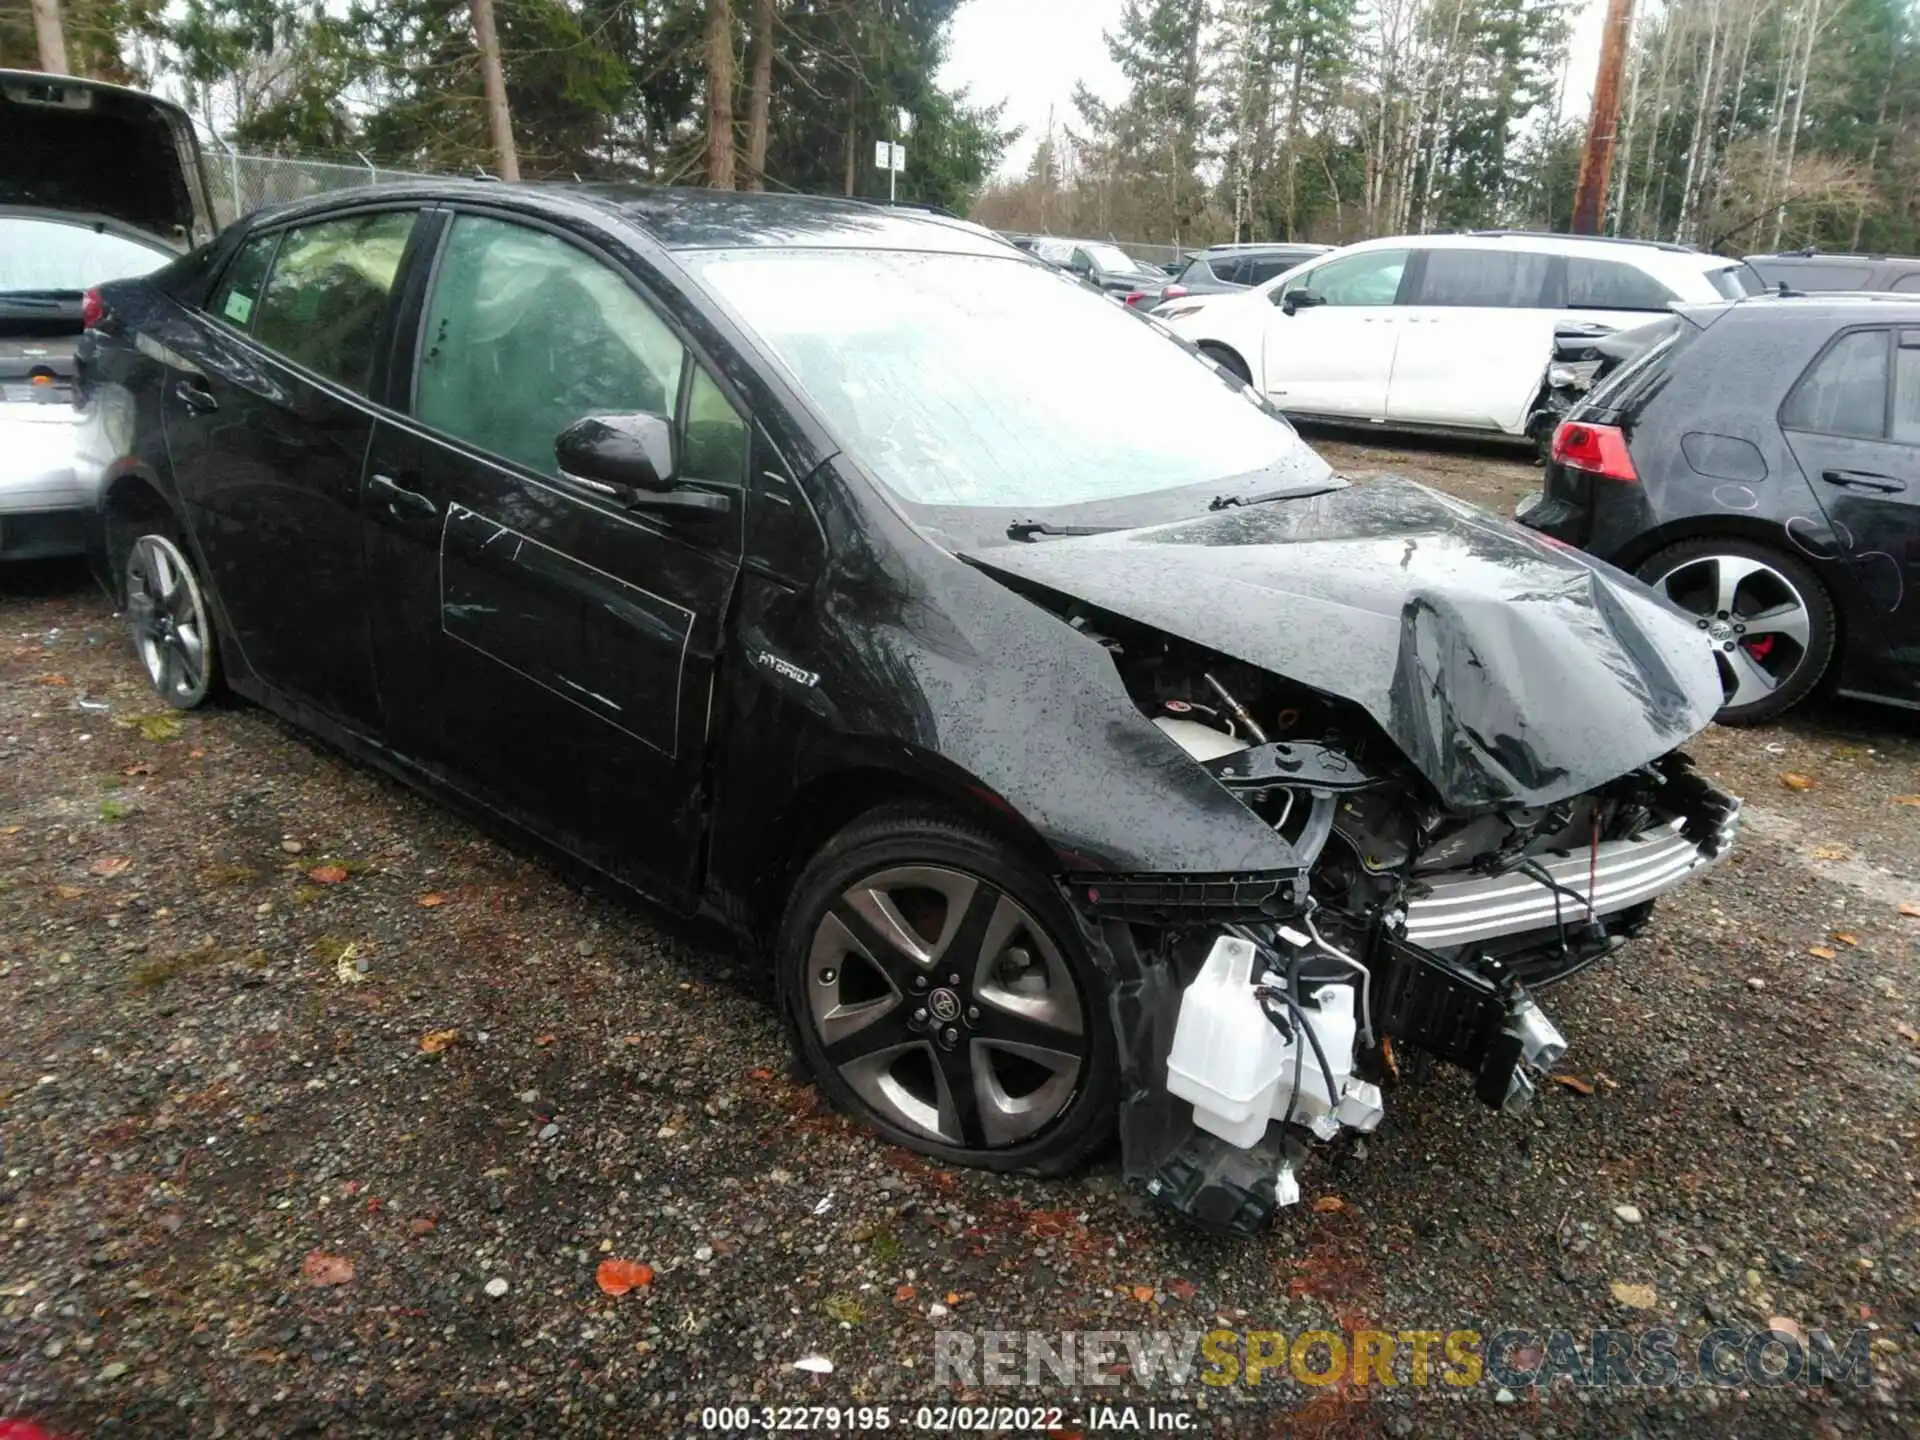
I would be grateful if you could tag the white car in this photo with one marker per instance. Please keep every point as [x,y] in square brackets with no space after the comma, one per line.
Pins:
[97,183]
[1440,332]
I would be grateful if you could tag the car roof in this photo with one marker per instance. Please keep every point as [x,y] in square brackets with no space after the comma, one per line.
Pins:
[1822,307]
[683,218]
[1255,247]
[1655,259]
[1813,257]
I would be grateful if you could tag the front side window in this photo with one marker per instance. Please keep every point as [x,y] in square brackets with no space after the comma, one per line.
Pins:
[238,292]
[40,255]
[525,333]
[970,380]
[1369,278]
[1612,285]
[1844,392]
[1485,279]
[325,302]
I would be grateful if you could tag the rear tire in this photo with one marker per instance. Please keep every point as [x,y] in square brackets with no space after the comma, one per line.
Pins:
[1769,619]
[937,989]
[169,619]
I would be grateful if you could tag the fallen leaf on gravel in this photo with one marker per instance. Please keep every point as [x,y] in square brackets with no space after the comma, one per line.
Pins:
[1327,1204]
[617,1277]
[814,1364]
[1906,1031]
[55,680]
[431,899]
[759,1073]
[327,874]
[154,727]
[1575,1084]
[1606,1080]
[1846,937]
[1181,1288]
[12,829]
[1635,1297]
[1831,852]
[434,1041]
[1909,909]
[1784,1326]
[109,865]
[953,1298]
[143,768]
[423,1225]
[1907,800]
[1143,1293]
[1796,782]
[844,1309]
[543,1041]
[346,969]
[68,892]
[903,1294]
[1822,952]
[320,1268]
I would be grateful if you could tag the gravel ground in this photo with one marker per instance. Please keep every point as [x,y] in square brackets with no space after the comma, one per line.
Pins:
[320,1111]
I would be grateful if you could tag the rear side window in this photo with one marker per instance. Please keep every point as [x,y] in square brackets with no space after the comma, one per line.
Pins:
[1820,275]
[1612,285]
[1258,272]
[1844,391]
[239,289]
[326,298]
[1906,389]
[1229,269]
[1734,281]
[1908,284]
[1488,279]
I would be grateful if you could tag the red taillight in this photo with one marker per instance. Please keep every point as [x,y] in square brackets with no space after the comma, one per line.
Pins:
[1134,297]
[1173,292]
[1597,449]
[92,309]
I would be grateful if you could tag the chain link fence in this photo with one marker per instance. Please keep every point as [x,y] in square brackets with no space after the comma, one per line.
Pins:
[241,184]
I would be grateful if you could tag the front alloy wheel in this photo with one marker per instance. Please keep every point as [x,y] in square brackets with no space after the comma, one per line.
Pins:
[933,997]
[1767,619]
[169,621]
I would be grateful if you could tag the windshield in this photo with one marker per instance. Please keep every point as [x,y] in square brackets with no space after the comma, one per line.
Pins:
[977,380]
[1112,257]
[60,255]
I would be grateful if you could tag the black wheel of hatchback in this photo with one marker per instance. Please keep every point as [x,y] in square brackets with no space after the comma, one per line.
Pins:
[936,990]
[1765,613]
[168,617]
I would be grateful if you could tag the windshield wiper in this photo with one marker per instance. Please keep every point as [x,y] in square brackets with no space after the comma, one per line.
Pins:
[35,299]
[1028,529]
[1294,492]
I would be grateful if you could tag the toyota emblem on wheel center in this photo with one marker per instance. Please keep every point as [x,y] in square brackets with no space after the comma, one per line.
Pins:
[944,1004]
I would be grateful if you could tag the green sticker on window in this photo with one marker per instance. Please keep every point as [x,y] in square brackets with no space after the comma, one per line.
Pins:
[239,307]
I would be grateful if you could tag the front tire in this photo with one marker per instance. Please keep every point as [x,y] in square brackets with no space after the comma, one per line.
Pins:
[937,990]
[168,618]
[1766,614]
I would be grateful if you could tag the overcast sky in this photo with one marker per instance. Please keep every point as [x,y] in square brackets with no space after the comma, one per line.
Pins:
[1030,52]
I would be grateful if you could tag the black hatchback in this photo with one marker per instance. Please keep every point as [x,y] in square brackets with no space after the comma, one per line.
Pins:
[802,563]
[1760,466]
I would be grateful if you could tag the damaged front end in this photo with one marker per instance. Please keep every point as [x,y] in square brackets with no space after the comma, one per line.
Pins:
[1455,853]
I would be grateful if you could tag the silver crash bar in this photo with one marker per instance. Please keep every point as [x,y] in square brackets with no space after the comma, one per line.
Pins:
[1462,908]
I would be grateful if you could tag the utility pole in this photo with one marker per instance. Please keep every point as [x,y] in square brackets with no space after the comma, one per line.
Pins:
[1596,158]
[52,37]
[494,82]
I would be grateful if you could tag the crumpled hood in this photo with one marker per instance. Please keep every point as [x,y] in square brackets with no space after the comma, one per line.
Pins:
[1507,670]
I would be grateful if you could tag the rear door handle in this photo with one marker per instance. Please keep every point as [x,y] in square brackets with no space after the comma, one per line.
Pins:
[402,502]
[196,397]
[1864,480]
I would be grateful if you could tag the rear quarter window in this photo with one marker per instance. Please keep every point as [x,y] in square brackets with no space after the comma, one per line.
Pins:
[1612,285]
[237,295]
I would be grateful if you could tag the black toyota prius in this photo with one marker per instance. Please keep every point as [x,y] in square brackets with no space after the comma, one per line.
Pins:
[803,563]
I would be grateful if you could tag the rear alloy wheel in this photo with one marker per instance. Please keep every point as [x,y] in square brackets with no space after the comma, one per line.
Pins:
[935,993]
[171,626]
[1766,615]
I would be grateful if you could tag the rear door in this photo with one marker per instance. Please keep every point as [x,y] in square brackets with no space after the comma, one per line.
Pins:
[1853,423]
[1475,339]
[1333,355]
[545,649]
[267,432]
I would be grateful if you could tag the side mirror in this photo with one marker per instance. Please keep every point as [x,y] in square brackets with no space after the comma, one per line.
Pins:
[1296,300]
[628,460]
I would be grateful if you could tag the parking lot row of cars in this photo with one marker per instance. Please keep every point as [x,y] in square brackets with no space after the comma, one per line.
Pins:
[803,563]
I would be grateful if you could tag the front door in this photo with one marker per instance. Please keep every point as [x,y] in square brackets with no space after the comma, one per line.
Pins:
[1333,355]
[542,648]
[267,431]
[1853,423]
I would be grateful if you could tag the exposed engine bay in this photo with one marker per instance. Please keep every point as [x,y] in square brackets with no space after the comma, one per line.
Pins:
[1410,923]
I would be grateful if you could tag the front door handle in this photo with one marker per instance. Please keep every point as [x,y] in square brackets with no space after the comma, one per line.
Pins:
[1864,480]
[402,502]
[196,397]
